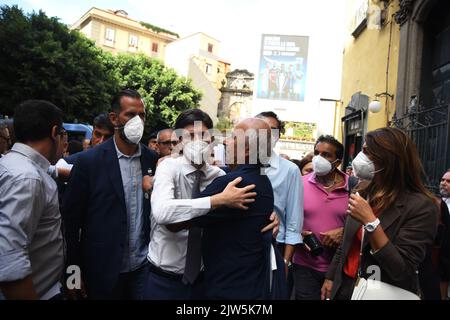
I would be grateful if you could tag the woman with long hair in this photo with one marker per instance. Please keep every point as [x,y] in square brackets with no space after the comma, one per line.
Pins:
[395,211]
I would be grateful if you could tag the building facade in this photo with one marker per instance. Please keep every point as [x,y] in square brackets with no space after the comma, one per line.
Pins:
[236,96]
[115,32]
[197,57]
[399,54]
[370,64]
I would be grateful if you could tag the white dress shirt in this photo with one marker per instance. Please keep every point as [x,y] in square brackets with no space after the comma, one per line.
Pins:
[171,203]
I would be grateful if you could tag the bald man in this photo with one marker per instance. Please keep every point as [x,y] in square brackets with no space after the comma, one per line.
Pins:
[236,254]
[166,141]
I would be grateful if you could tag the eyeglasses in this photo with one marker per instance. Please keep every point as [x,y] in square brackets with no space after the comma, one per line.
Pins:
[99,135]
[166,143]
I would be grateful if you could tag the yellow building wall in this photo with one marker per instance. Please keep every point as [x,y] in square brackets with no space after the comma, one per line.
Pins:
[121,40]
[95,29]
[365,63]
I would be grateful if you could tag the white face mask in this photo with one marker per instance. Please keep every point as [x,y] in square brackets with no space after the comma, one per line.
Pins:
[134,129]
[363,167]
[322,166]
[196,151]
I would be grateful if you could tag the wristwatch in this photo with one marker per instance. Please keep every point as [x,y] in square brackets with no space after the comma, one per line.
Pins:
[289,263]
[371,226]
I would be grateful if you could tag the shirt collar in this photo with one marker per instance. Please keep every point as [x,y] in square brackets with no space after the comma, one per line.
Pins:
[187,168]
[120,154]
[312,179]
[32,154]
[274,160]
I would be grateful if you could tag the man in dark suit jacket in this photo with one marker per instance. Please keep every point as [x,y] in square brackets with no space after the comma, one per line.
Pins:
[236,254]
[105,211]
[444,234]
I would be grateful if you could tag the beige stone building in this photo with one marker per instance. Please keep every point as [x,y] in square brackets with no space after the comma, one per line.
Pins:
[114,31]
[198,57]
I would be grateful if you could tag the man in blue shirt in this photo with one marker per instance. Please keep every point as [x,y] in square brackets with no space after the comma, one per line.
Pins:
[288,195]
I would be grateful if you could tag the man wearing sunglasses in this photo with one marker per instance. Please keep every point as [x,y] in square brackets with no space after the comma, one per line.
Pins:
[166,142]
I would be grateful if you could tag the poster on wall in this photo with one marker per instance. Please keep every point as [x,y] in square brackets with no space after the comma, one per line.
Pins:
[282,67]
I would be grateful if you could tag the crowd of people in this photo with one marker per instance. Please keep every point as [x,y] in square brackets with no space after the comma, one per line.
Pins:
[167,221]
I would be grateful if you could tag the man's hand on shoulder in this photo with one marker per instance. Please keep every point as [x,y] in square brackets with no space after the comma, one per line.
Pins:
[234,197]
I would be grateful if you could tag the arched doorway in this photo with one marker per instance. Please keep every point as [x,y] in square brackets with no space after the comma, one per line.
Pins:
[423,95]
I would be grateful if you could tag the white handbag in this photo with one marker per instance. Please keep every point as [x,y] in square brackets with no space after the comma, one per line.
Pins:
[370,289]
[377,290]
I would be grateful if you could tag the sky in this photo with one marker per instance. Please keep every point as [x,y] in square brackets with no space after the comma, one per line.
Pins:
[239,24]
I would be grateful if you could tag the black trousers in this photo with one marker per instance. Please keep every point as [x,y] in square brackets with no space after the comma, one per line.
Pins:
[290,276]
[308,283]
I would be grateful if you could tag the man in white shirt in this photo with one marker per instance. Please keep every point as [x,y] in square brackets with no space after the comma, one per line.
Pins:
[177,181]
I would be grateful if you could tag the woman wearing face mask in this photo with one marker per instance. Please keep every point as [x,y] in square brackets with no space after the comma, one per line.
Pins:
[395,211]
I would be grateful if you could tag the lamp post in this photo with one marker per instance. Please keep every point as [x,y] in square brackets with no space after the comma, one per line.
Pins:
[375,105]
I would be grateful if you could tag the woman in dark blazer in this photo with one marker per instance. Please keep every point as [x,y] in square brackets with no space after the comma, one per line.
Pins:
[396,212]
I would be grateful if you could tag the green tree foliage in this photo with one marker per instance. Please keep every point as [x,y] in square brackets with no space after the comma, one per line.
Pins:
[165,94]
[158,29]
[40,58]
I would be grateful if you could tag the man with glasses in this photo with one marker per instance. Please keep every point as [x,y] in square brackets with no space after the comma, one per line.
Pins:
[31,243]
[166,142]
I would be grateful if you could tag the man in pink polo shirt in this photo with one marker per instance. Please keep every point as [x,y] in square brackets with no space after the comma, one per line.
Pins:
[325,205]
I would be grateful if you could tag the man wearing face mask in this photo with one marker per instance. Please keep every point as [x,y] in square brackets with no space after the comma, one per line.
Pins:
[106,213]
[31,243]
[236,255]
[325,205]
[173,256]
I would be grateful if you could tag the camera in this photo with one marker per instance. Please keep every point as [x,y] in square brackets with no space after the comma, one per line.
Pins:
[314,244]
